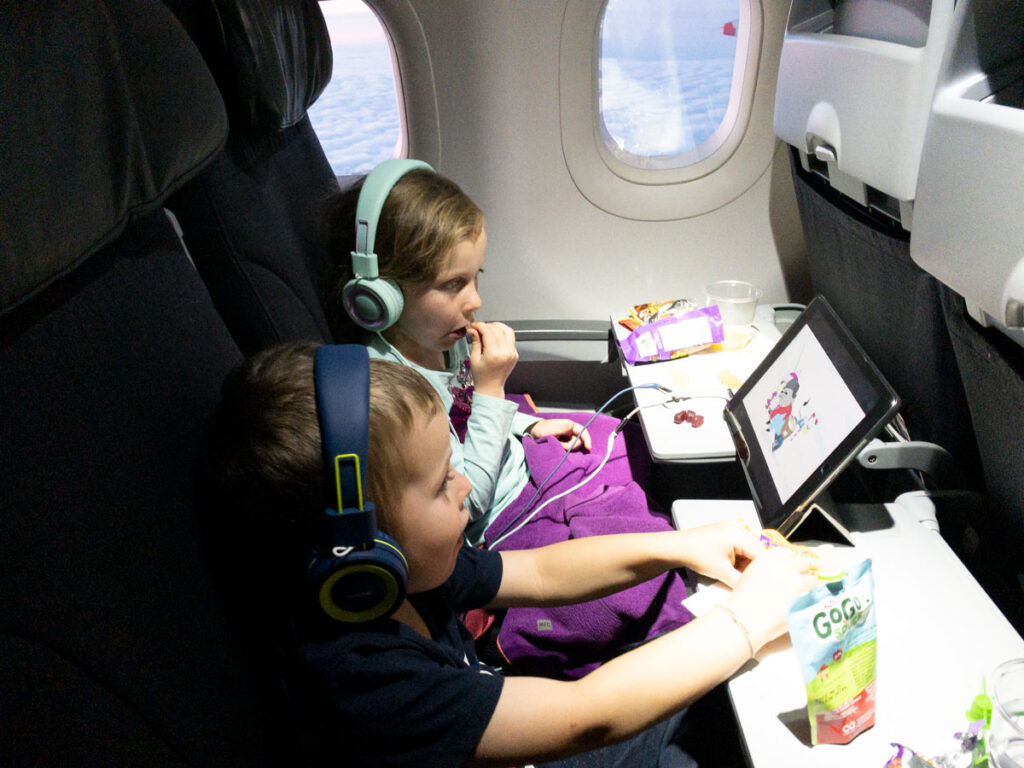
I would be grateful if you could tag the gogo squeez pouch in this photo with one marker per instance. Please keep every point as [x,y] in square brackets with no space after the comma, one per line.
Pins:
[833,632]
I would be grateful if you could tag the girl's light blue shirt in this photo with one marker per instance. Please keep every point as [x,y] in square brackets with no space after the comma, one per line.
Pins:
[492,456]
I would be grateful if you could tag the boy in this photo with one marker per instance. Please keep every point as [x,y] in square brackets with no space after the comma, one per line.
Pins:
[408,690]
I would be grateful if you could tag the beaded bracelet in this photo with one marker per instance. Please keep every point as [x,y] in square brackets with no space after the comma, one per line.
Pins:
[735,620]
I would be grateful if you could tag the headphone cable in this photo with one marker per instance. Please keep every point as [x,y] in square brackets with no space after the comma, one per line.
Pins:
[505,532]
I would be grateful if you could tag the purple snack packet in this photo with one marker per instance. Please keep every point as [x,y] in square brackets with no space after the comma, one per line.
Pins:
[675,336]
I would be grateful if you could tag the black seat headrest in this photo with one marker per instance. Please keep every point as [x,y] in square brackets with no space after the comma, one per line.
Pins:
[271,59]
[107,110]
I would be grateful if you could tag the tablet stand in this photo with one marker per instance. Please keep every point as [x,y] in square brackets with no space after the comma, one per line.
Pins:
[819,521]
[823,519]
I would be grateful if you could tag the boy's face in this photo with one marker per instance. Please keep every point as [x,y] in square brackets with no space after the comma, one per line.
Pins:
[436,314]
[429,517]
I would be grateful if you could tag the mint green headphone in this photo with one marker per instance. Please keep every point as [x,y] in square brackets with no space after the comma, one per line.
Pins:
[372,302]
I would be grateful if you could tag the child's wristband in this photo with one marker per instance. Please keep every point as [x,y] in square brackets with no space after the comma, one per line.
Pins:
[739,624]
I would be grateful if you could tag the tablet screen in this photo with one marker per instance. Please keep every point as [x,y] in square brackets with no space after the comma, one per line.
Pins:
[805,412]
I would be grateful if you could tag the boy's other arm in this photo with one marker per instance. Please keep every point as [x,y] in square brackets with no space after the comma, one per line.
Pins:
[592,567]
[538,719]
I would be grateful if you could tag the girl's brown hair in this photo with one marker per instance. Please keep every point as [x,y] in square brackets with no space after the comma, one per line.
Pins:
[424,217]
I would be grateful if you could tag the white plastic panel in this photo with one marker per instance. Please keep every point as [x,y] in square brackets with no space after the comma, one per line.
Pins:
[859,102]
[491,71]
[968,222]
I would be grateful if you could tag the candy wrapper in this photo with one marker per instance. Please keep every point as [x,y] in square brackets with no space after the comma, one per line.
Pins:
[969,745]
[772,538]
[667,330]
[833,632]
[908,758]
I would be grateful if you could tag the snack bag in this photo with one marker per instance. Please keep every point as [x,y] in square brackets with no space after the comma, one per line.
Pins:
[674,335]
[833,632]
[648,312]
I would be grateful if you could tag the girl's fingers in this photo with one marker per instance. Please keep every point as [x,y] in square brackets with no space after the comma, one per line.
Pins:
[578,429]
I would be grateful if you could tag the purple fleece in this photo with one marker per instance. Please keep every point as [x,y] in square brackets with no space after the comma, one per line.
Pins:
[569,641]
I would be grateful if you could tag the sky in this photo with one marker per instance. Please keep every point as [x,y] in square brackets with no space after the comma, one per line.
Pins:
[356,117]
[691,29]
[351,21]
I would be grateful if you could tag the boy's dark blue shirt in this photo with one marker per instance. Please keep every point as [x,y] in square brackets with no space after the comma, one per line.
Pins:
[384,695]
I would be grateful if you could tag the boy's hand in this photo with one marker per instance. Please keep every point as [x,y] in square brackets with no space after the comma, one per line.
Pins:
[492,356]
[564,429]
[762,597]
[722,550]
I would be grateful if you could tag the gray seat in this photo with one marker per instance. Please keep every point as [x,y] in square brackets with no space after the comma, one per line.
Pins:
[250,217]
[115,643]
[992,370]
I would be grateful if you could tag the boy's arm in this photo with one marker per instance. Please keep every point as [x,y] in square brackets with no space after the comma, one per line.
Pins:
[538,719]
[585,569]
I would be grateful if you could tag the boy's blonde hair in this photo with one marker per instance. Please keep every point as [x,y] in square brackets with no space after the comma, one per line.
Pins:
[399,398]
[424,217]
[264,448]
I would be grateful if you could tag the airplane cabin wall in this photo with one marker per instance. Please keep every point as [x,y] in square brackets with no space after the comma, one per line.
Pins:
[492,72]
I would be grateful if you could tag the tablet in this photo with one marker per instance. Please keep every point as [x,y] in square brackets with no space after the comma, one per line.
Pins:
[804,413]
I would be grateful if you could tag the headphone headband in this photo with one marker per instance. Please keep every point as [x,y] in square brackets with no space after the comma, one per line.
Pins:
[358,573]
[374,304]
[343,418]
[375,191]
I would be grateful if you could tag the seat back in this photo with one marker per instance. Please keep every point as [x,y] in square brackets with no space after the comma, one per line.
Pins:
[856,152]
[894,309]
[992,368]
[970,239]
[114,638]
[250,218]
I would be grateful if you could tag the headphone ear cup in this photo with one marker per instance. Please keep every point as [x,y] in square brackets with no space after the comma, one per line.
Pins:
[363,585]
[374,304]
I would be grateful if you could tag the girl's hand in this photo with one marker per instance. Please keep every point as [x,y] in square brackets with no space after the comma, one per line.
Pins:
[492,356]
[564,429]
[722,550]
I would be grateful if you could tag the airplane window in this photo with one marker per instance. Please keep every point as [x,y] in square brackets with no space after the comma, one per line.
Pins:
[665,75]
[356,117]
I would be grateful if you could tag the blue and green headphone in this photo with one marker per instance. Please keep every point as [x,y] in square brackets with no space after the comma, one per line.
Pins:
[358,572]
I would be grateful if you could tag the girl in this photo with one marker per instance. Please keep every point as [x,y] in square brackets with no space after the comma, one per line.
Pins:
[420,246]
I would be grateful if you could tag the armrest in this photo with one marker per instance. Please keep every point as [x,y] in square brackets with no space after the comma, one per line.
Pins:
[560,330]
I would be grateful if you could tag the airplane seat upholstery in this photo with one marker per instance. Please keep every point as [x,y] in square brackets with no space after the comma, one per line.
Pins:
[249,219]
[115,645]
[992,370]
[894,309]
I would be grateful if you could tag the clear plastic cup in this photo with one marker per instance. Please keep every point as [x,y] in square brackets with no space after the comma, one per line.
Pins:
[737,302]
[1006,733]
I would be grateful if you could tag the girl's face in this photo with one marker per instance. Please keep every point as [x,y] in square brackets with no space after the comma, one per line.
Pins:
[430,514]
[437,313]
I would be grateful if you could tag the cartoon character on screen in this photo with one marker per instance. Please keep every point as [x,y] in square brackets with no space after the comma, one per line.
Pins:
[780,411]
